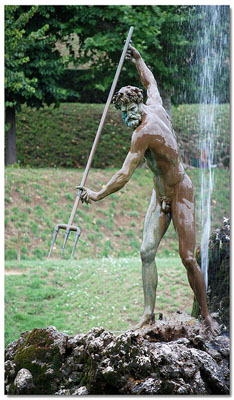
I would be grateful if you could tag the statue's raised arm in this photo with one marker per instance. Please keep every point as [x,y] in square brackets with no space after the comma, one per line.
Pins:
[146,77]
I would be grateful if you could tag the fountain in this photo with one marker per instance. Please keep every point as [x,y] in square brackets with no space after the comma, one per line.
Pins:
[162,359]
[211,42]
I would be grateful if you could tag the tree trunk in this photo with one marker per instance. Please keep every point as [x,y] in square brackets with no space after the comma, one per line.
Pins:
[10,138]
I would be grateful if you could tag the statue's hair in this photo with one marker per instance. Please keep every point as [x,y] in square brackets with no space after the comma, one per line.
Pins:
[128,94]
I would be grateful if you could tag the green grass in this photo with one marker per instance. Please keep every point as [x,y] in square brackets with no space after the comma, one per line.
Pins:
[116,221]
[76,296]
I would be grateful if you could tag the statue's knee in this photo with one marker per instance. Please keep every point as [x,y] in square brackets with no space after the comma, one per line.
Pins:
[148,253]
[189,262]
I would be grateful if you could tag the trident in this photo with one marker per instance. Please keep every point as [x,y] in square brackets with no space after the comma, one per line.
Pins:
[69,226]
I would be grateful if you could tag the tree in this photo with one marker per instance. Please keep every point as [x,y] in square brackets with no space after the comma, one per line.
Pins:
[159,35]
[16,83]
[94,37]
[32,64]
[166,36]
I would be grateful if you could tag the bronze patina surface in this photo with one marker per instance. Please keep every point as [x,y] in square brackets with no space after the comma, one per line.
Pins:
[172,196]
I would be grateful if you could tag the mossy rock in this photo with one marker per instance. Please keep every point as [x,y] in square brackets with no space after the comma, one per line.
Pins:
[40,354]
[218,293]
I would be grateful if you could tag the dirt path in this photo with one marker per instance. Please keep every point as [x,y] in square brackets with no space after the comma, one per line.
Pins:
[14,272]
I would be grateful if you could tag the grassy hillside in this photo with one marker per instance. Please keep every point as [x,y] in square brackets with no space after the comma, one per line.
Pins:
[37,199]
[63,137]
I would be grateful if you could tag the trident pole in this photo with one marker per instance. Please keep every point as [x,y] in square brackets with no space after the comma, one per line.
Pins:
[98,134]
[69,227]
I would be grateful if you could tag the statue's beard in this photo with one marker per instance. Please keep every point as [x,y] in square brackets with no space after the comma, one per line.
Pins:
[133,120]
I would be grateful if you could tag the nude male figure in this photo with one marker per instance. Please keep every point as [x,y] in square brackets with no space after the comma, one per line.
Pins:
[172,198]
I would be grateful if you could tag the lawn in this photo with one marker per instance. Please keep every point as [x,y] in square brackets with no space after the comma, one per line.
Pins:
[76,296]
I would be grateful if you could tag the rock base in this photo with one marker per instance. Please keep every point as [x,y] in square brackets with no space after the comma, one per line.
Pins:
[218,291]
[174,356]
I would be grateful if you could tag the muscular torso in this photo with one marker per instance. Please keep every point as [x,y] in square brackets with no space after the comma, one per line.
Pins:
[161,154]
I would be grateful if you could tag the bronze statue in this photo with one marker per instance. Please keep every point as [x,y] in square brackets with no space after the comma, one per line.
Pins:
[153,139]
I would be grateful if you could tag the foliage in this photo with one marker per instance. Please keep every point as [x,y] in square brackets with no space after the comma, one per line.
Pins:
[158,35]
[32,64]
[16,45]
[209,35]
[75,296]
[93,37]
[166,36]
[63,137]
[37,199]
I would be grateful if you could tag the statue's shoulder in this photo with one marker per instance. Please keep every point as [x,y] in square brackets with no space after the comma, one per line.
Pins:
[140,135]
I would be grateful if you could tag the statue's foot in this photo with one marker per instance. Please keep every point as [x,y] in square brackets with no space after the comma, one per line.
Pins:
[146,319]
[212,325]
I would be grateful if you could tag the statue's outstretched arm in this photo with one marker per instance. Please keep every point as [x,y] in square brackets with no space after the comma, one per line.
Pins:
[122,176]
[146,77]
[133,159]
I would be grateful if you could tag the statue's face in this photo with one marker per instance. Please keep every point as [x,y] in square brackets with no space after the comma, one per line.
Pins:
[131,113]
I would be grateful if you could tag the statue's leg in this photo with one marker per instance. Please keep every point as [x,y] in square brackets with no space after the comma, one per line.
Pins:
[155,226]
[183,216]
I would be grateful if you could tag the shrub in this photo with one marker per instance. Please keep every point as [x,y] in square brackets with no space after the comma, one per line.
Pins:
[63,137]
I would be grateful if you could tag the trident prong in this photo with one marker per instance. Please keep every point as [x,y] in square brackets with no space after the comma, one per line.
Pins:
[68,228]
[75,243]
[56,229]
[65,241]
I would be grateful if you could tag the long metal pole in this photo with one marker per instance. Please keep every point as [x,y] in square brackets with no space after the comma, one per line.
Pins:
[98,134]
